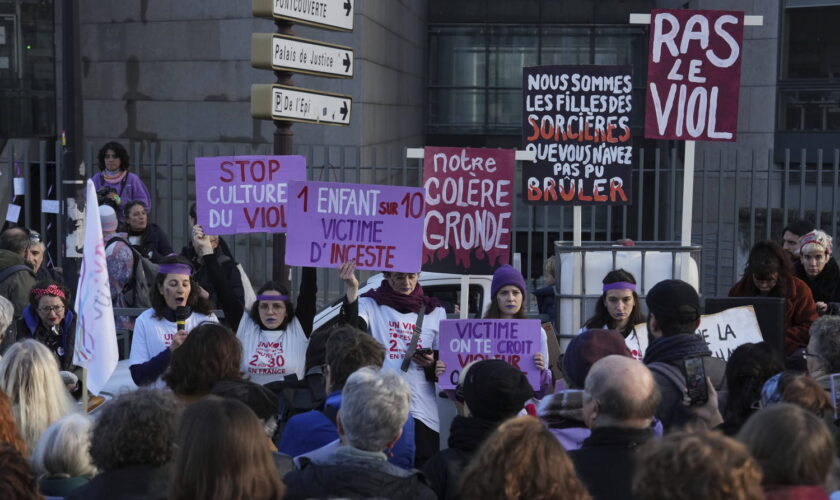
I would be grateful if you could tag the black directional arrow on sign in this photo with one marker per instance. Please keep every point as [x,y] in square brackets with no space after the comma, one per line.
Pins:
[347,7]
[346,62]
[343,110]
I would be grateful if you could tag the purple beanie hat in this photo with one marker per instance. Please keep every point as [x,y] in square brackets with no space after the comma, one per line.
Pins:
[507,275]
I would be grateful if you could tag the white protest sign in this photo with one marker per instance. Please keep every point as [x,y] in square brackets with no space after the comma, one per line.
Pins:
[724,331]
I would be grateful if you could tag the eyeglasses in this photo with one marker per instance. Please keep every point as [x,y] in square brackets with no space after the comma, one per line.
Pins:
[49,309]
[34,236]
[806,355]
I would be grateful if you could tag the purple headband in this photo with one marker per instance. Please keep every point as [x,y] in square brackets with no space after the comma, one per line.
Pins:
[623,285]
[175,269]
[284,298]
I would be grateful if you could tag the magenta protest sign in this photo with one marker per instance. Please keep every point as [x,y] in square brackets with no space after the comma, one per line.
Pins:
[694,73]
[245,194]
[469,195]
[380,227]
[463,341]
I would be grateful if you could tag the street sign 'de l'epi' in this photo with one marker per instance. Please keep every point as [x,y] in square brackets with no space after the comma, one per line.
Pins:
[282,102]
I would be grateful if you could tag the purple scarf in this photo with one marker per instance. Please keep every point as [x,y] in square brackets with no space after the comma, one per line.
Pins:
[386,296]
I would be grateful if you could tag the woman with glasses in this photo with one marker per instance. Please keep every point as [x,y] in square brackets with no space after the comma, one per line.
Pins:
[273,331]
[115,183]
[49,318]
[769,274]
[145,236]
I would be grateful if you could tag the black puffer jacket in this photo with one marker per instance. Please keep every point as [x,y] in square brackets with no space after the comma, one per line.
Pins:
[444,469]
[342,477]
[825,286]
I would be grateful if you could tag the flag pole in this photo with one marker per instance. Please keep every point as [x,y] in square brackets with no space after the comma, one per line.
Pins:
[85,401]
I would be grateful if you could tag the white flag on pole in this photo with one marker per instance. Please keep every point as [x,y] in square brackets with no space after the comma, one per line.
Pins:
[96,335]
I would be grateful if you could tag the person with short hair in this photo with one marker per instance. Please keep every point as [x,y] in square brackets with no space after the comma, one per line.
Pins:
[16,275]
[618,308]
[210,354]
[115,183]
[818,269]
[156,333]
[620,399]
[61,459]
[795,450]
[375,405]
[314,432]
[7,317]
[131,445]
[35,256]
[545,294]
[704,465]
[29,376]
[521,460]
[673,317]
[494,391]
[221,454]
[769,274]
[791,235]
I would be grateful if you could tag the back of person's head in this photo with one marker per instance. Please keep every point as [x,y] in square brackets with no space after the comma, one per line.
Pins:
[587,348]
[108,219]
[676,306]
[9,433]
[210,353]
[549,268]
[29,375]
[793,446]
[7,316]
[494,390]
[624,391]
[16,479]
[696,466]
[261,400]
[799,227]
[349,349]
[521,459]
[374,407]
[223,454]
[806,393]
[14,240]
[825,335]
[136,428]
[64,448]
[749,366]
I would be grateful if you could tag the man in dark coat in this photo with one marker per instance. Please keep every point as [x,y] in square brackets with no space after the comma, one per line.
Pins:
[494,391]
[619,401]
[16,276]
[374,408]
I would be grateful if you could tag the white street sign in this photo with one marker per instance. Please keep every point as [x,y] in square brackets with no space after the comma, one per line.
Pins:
[281,102]
[329,14]
[289,53]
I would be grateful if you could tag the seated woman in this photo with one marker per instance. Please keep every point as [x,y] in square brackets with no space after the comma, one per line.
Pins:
[49,319]
[821,272]
[120,185]
[618,309]
[146,237]
[274,332]
[769,274]
[176,309]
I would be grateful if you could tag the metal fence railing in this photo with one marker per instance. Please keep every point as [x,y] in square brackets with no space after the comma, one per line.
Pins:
[740,196]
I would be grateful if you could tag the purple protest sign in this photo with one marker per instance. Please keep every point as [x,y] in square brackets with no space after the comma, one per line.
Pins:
[694,74]
[463,341]
[380,227]
[245,194]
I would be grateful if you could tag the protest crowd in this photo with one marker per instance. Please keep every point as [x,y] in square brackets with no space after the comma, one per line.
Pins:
[260,406]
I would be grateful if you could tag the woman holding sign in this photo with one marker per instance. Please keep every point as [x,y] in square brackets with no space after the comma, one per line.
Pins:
[177,307]
[391,313]
[618,309]
[273,332]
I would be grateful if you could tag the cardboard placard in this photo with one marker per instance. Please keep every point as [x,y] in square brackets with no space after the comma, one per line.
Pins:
[469,198]
[724,331]
[576,119]
[694,74]
[463,341]
[245,194]
[380,227]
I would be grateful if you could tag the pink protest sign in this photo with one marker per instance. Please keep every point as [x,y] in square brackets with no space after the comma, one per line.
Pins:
[469,195]
[245,194]
[380,227]
[694,73]
[463,341]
